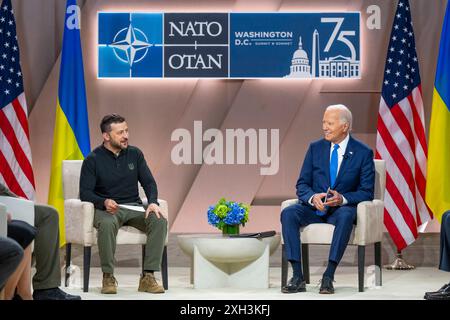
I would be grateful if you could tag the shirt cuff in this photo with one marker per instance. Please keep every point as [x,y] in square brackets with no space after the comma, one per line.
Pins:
[344,201]
[155,201]
[310,200]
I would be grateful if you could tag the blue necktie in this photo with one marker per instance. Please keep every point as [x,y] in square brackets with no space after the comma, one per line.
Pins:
[333,173]
[333,165]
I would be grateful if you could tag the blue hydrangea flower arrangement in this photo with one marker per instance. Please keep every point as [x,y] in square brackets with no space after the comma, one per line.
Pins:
[228,215]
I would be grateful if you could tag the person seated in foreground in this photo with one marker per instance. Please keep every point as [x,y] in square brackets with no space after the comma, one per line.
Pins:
[444,292]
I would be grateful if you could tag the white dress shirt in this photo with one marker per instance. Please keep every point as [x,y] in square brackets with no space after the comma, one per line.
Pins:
[341,151]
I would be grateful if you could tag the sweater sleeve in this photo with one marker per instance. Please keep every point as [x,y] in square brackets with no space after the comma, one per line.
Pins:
[146,179]
[87,184]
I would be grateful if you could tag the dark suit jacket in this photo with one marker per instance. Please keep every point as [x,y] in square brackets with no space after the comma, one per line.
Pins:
[356,176]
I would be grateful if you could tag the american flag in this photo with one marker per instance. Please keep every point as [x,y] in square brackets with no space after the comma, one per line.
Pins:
[401,134]
[16,171]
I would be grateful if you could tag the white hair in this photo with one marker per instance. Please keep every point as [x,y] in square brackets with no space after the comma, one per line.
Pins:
[344,114]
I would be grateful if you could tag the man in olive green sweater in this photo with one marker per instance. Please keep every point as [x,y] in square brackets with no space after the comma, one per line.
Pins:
[47,279]
[109,178]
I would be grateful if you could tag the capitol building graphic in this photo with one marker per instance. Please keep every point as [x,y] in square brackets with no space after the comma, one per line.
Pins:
[330,67]
[300,63]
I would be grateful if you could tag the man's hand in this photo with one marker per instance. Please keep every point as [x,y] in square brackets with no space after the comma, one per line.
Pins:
[153,207]
[317,201]
[335,200]
[111,206]
[8,217]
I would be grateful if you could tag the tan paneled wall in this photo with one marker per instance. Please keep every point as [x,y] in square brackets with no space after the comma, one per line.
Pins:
[154,108]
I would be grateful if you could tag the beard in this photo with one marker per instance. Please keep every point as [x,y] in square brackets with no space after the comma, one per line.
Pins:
[118,145]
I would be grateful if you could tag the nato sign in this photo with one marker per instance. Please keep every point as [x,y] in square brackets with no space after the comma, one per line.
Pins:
[130,45]
[229,45]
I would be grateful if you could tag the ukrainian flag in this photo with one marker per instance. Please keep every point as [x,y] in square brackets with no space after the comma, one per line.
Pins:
[71,135]
[438,176]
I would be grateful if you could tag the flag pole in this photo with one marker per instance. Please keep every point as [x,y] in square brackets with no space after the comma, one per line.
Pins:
[399,263]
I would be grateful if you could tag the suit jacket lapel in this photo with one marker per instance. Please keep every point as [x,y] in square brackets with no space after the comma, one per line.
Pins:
[346,161]
[326,159]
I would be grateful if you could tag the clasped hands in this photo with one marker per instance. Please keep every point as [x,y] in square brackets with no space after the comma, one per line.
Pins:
[112,207]
[334,201]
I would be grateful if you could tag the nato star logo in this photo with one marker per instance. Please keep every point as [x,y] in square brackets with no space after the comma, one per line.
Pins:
[129,45]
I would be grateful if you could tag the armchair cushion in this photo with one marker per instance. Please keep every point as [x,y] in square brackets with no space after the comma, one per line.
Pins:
[368,229]
[79,220]
[20,209]
[319,233]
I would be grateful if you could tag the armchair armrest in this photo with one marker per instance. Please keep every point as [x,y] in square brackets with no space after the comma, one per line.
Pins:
[369,222]
[288,203]
[19,208]
[79,221]
[3,221]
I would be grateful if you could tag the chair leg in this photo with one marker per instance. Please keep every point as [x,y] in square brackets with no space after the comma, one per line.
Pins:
[143,257]
[378,275]
[86,268]
[68,258]
[164,269]
[305,261]
[361,262]
[284,266]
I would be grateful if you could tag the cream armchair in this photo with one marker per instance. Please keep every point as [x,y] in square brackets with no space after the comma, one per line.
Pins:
[19,208]
[368,230]
[79,222]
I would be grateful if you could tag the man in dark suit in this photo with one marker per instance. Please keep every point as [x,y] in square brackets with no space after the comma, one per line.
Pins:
[444,264]
[343,164]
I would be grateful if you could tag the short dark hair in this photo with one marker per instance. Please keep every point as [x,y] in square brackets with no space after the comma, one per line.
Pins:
[105,125]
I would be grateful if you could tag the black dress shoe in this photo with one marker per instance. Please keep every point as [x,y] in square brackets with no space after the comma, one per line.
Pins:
[442,294]
[326,286]
[443,288]
[53,294]
[296,284]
